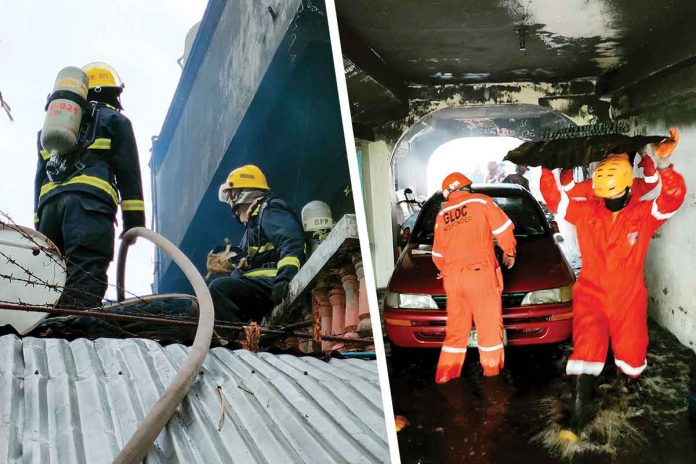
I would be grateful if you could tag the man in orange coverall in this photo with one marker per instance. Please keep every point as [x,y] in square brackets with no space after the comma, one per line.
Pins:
[640,187]
[610,298]
[463,252]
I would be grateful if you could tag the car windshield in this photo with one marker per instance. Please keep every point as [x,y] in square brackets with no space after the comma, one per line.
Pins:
[522,210]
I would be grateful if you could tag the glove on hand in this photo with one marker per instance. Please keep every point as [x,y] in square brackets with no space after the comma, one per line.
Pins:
[663,150]
[508,261]
[280,291]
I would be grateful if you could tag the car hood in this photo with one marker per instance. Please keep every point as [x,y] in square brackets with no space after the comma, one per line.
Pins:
[539,264]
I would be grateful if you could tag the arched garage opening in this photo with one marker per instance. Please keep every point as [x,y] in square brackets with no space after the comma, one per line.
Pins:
[466,137]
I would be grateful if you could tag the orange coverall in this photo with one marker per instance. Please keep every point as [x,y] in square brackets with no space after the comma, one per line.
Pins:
[640,187]
[610,297]
[463,252]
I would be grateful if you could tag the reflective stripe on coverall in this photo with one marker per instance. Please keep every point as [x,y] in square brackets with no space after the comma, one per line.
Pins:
[463,252]
[610,297]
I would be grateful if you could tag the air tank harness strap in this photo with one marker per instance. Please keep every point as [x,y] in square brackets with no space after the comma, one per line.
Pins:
[69,95]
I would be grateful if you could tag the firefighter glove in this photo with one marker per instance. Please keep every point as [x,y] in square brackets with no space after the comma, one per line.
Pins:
[664,149]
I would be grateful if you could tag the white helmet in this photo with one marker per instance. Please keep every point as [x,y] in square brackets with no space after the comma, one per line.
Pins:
[316,215]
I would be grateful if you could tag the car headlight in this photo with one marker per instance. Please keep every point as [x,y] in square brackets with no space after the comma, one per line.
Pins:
[409,301]
[548,296]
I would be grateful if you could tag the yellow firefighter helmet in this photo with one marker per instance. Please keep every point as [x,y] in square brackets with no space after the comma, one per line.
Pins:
[612,176]
[102,75]
[248,176]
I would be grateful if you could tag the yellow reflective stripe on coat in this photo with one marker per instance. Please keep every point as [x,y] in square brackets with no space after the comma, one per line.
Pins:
[82,179]
[261,273]
[36,218]
[133,205]
[267,247]
[100,144]
[289,261]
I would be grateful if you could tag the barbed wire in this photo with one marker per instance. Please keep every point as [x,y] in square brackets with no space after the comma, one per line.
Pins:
[30,279]
[243,328]
[63,264]
[39,281]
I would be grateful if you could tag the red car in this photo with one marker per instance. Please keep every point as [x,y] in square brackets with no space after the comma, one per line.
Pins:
[537,306]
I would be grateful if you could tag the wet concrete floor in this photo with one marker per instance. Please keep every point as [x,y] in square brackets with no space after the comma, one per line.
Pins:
[514,418]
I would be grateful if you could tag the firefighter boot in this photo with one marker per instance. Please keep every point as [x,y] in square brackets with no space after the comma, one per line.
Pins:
[579,413]
[449,366]
[582,402]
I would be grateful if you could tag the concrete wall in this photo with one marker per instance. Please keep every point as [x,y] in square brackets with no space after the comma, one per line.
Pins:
[575,99]
[243,45]
[291,129]
[378,188]
[654,105]
[670,269]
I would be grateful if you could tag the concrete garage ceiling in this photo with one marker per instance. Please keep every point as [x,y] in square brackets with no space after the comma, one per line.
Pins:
[391,45]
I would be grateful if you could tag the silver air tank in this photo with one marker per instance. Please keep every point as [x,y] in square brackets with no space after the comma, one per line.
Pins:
[316,222]
[64,112]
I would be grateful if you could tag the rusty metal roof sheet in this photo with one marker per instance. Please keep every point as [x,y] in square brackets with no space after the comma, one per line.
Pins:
[65,402]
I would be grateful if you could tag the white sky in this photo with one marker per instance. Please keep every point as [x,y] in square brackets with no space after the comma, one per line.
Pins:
[141,39]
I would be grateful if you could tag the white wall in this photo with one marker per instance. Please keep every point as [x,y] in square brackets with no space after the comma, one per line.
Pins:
[378,193]
[670,268]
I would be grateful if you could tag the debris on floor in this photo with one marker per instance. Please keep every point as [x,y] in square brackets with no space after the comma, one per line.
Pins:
[519,413]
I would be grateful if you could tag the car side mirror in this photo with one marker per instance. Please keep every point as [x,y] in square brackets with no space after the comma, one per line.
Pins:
[554,227]
[404,236]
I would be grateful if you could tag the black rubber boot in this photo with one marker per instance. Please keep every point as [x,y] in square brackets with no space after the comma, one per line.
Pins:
[581,410]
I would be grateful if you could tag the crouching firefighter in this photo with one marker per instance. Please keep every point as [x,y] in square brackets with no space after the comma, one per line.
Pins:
[463,251]
[87,165]
[614,228]
[273,244]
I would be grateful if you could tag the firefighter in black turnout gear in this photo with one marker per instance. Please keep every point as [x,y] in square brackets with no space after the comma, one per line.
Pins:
[273,244]
[76,207]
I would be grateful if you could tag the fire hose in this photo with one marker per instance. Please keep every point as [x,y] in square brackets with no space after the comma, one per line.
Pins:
[142,439]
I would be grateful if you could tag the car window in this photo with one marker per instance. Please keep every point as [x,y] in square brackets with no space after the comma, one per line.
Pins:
[522,211]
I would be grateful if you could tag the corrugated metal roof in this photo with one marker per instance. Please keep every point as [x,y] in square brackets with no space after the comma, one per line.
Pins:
[64,402]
